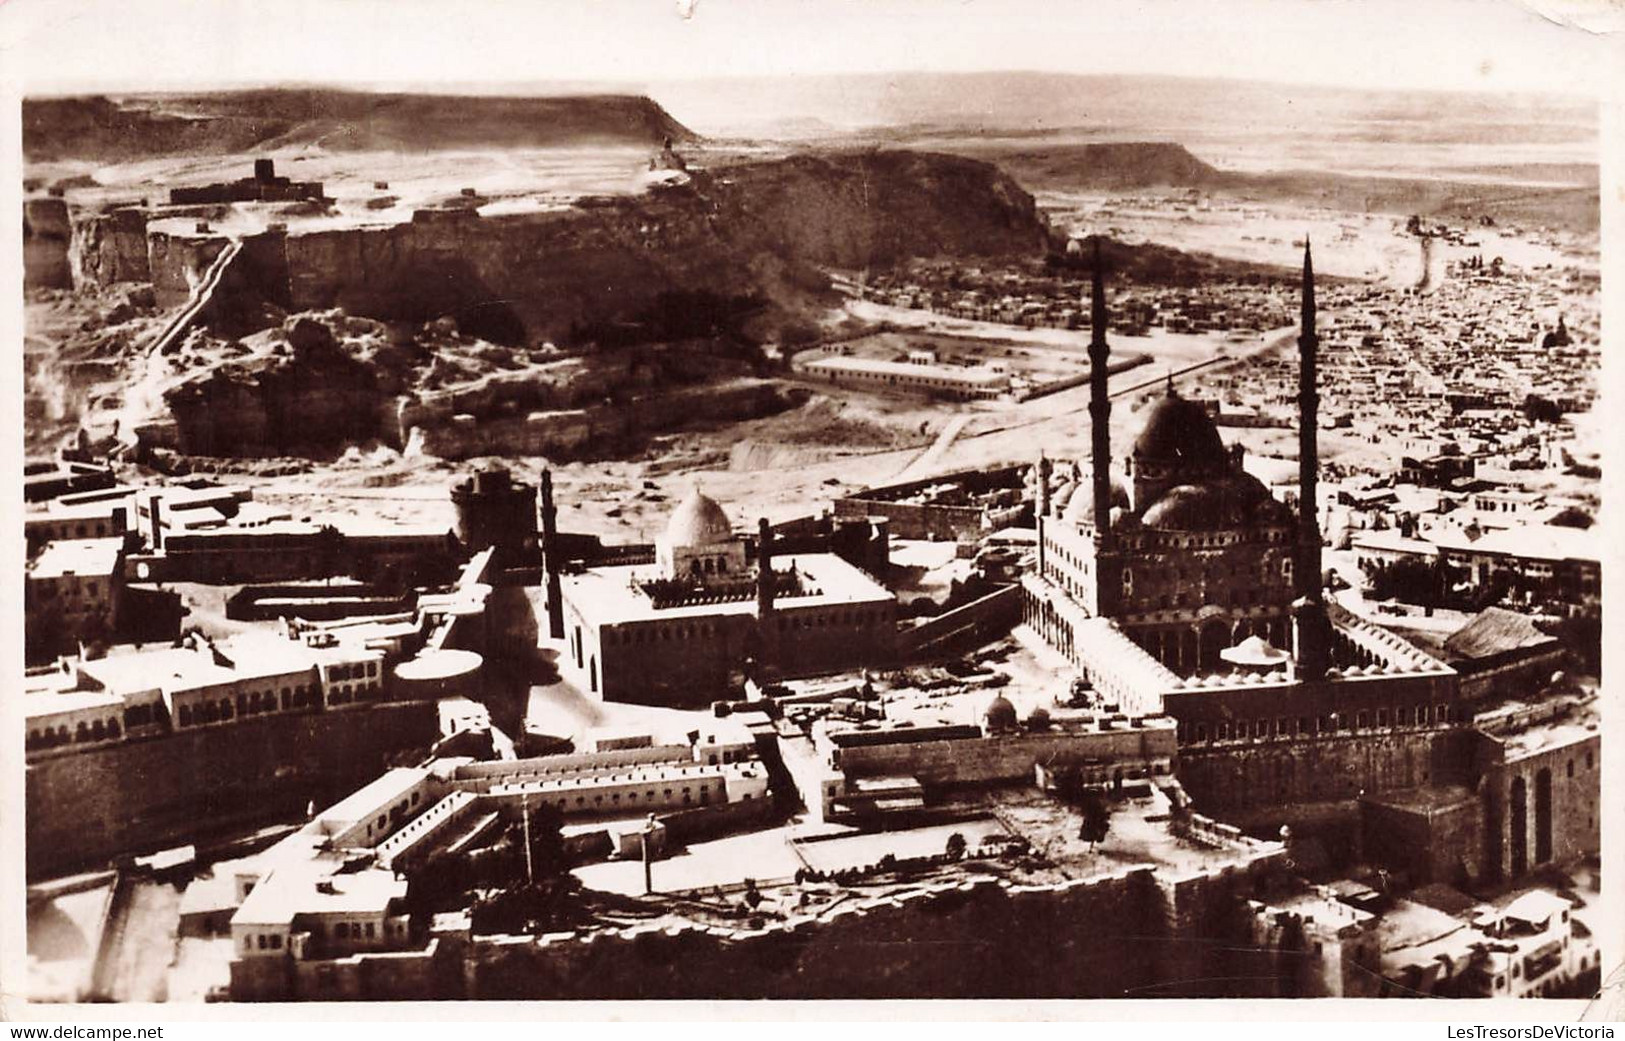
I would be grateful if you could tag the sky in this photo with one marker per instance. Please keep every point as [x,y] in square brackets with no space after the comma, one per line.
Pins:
[112,45]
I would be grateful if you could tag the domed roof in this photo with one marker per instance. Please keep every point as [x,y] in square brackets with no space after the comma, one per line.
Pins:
[1180,433]
[1236,501]
[1080,509]
[1256,652]
[698,521]
[1187,507]
[1062,496]
[1000,715]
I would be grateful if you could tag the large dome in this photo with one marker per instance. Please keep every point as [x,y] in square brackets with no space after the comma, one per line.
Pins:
[698,521]
[1180,434]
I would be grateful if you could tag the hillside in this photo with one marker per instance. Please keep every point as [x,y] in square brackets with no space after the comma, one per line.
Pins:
[145,126]
[459,310]
[1108,165]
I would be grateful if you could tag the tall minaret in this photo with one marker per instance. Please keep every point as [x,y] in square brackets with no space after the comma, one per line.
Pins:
[766,620]
[1313,637]
[550,559]
[1100,406]
[1041,472]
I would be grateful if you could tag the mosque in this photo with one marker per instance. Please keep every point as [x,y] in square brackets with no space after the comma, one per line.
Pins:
[1177,584]
[712,609]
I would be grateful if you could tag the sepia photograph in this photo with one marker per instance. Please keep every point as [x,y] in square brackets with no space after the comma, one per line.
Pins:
[635,501]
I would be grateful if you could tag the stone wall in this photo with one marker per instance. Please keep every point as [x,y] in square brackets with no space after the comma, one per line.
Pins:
[1438,837]
[1237,776]
[1569,766]
[46,235]
[110,247]
[142,795]
[1008,757]
[602,430]
[1134,933]
[980,620]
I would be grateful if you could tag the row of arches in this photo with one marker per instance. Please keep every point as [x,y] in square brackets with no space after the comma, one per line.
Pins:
[1192,648]
[86,732]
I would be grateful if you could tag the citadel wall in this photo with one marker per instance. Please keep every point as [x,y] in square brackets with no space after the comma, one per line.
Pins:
[1243,775]
[1128,934]
[145,794]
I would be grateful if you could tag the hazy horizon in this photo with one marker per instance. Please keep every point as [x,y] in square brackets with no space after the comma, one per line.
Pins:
[1495,47]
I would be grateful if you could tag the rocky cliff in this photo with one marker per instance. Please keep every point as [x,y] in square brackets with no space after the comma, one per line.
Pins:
[754,229]
[142,126]
[694,260]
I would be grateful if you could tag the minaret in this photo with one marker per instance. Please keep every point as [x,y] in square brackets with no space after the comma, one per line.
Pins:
[1312,635]
[1100,407]
[550,559]
[766,625]
[1041,474]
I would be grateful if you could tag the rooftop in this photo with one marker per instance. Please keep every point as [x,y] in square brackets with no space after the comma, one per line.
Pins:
[614,595]
[38,704]
[371,798]
[316,886]
[979,376]
[1531,541]
[1493,631]
[88,557]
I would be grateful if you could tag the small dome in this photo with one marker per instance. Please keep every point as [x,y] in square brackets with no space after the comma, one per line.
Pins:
[1255,652]
[1235,501]
[1000,715]
[1180,434]
[1187,507]
[1063,495]
[698,521]
[1080,509]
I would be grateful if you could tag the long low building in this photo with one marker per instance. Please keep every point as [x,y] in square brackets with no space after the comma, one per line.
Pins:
[959,382]
[335,890]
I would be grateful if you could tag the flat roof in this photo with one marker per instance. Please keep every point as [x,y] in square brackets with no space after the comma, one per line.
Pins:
[296,888]
[370,798]
[252,655]
[40,703]
[57,510]
[614,595]
[167,668]
[1531,541]
[92,558]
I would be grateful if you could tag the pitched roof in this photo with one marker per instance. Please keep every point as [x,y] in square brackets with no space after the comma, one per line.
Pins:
[1492,631]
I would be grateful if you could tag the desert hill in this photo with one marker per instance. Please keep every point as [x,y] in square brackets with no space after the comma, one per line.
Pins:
[145,126]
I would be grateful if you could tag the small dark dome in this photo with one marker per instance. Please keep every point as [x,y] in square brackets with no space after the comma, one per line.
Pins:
[1180,434]
[1000,715]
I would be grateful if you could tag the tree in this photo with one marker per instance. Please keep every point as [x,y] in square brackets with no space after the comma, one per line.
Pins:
[1097,819]
[329,551]
[955,849]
